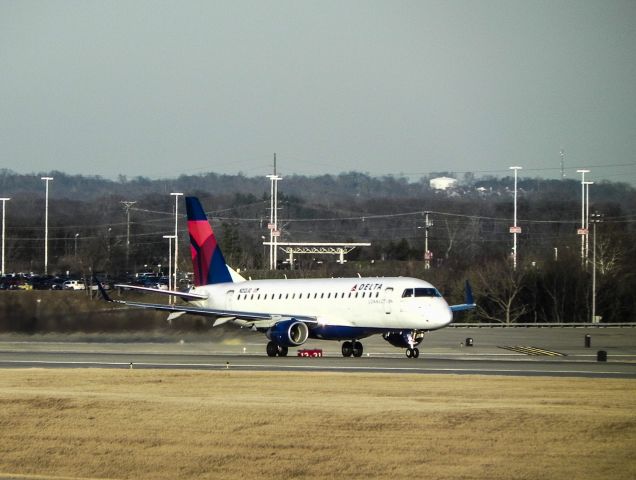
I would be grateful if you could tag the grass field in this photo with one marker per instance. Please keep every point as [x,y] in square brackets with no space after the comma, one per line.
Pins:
[94,423]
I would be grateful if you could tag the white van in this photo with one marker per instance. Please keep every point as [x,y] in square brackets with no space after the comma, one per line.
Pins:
[74,285]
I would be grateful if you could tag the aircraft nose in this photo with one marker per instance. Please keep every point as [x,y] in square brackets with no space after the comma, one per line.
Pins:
[442,315]
[447,315]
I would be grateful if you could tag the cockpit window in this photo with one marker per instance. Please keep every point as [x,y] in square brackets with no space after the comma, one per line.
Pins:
[420,292]
[426,292]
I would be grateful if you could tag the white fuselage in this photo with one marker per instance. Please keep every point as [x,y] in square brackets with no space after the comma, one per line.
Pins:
[391,303]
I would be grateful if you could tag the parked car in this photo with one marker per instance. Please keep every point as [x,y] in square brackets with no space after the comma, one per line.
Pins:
[74,285]
[57,283]
[23,284]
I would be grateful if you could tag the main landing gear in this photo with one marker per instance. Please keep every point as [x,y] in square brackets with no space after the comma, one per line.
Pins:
[352,348]
[274,349]
[412,352]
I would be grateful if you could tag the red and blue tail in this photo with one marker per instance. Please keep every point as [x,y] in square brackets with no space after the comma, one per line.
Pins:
[207,260]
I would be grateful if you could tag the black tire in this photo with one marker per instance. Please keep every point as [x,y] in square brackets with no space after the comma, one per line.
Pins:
[347,349]
[272,349]
[416,352]
[357,349]
[282,351]
[409,352]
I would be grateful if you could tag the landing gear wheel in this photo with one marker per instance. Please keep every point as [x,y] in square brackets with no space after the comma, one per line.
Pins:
[357,349]
[272,349]
[410,353]
[347,349]
[282,351]
[416,352]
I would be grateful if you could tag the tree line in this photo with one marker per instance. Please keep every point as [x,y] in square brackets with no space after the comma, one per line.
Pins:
[468,234]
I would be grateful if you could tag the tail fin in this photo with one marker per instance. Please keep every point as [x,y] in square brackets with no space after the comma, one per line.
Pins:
[207,260]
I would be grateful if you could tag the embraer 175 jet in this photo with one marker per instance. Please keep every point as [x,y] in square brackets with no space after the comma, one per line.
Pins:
[289,312]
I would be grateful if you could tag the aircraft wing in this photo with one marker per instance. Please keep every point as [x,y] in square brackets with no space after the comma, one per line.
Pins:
[254,320]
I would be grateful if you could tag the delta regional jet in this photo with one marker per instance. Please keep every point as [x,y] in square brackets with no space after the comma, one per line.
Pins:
[289,312]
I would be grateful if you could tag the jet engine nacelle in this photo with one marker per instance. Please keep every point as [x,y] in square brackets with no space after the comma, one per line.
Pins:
[404,339]
[289,333]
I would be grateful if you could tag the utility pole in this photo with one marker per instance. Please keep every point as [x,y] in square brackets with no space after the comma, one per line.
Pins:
[127,206]
[274,233]
[46,226]
[562,153]
[427,254]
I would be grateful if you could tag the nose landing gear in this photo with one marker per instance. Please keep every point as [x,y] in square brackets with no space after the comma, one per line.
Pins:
[412,352]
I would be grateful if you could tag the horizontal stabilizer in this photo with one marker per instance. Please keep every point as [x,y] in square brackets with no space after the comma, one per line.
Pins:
[176,293]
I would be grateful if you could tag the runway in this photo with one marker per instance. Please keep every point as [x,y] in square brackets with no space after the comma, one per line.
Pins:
[515,352]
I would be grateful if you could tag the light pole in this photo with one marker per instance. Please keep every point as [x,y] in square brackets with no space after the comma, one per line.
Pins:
[76,235]
[587,220]
[170,237]
[515,229]
[596,218]
[274,233]
[4,202]
[176,236]
[582,232]
[46,226]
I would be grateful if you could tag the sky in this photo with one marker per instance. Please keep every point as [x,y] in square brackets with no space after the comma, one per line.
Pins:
[165,88]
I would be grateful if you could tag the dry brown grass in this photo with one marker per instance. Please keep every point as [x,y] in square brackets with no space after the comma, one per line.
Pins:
[197,424]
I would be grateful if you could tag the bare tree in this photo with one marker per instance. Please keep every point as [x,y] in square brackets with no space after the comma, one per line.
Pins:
[500,288]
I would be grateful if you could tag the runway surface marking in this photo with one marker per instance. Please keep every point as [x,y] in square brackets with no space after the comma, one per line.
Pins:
[535,351]
[357,368]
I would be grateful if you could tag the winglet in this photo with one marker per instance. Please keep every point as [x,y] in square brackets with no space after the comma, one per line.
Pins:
[470,301]
[469,294]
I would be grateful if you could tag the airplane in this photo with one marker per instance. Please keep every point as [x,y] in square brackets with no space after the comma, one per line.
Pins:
[289,312]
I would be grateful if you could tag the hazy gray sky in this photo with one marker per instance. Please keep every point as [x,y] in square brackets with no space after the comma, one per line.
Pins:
[163,88]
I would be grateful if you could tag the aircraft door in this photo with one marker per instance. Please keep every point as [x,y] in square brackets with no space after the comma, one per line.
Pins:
[229,295]
[388,300]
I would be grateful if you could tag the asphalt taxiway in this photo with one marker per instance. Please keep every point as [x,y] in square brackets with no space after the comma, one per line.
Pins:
[494,351]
